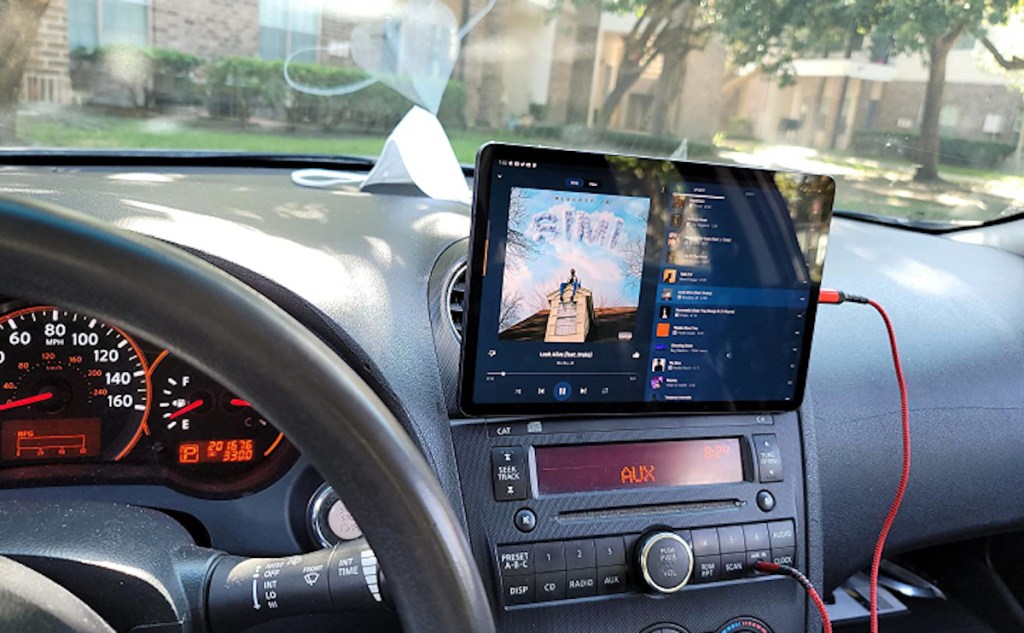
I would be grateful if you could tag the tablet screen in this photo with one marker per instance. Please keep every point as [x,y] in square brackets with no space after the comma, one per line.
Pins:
[605,283]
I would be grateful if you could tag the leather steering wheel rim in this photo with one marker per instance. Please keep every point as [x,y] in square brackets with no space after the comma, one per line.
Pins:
[51,255]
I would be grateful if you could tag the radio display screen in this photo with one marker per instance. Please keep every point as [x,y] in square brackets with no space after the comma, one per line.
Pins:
[615,284]
[598,467]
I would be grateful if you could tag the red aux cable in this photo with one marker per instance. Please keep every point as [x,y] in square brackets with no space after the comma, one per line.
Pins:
[768,567]
[835,297]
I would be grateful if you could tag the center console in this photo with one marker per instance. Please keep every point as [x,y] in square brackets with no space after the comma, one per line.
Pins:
[637,551]
[648,323]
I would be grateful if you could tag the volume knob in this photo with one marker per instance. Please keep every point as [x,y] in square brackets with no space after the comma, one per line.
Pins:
[666,561]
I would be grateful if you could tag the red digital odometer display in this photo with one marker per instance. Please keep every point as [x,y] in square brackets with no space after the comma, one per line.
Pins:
[594,467]
[216,451]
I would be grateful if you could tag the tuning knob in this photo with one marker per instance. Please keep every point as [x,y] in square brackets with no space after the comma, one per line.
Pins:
[666,561]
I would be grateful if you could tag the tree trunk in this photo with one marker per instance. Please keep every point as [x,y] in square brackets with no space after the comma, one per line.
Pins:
[814,116]
[928,147]
[624,80]
[672,76]
[837,125]
[19,21]
[1020,145]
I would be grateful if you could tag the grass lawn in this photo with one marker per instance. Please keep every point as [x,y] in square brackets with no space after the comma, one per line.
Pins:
[107,132]
[887,187]
[866,185]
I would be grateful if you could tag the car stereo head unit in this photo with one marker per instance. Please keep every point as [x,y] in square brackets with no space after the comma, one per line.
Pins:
[620,284]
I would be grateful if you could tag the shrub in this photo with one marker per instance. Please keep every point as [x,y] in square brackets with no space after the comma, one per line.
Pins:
[541,131]
[655,145]
[238,86]
[173,78]
[953,151]
[152,77]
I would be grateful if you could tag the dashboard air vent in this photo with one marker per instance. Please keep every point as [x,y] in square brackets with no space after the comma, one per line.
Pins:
[456,299]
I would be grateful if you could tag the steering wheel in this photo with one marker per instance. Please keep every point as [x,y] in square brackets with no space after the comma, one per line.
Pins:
[211,319]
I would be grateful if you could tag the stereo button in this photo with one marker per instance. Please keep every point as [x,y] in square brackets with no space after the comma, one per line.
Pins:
[784,556]
[769,458]
[517,590]
[730,540]
[514,560]
[610,551]
[666,562]
[579,554]
[756,536]
[508,473]
[581,583]
[705,542]
[611,579]
[550,586]
[707,569]
[733,566]
[549,557]
[781,534]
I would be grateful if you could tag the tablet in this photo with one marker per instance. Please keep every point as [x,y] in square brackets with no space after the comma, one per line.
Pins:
[602,283]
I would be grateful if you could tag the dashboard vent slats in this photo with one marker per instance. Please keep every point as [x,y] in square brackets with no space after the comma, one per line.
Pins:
[456,299]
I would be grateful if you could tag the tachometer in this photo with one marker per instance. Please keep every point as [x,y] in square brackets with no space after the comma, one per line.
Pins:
[198,425]
[71,387]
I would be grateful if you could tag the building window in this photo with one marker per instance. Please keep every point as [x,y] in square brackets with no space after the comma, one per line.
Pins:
[949,116]
[993,124]
[95,23]
[287,27]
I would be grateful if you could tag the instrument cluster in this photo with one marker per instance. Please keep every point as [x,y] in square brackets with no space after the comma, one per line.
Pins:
[82,401]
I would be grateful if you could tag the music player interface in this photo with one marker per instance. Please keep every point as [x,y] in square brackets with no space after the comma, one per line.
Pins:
[633,284]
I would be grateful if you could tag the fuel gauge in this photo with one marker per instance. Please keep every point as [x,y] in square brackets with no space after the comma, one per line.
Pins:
[198,424]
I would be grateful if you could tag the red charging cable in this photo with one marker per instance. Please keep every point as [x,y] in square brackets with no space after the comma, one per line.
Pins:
[835,297]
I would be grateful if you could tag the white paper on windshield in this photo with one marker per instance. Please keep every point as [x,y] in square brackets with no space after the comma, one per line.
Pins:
[418,152]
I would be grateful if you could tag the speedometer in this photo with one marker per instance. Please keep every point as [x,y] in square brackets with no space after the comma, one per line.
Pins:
[71,388]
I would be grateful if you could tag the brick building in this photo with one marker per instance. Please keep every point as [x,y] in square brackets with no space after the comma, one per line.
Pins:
[46,76]
[833,98]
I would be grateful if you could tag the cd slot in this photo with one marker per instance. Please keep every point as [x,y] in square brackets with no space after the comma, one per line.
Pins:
[649,511]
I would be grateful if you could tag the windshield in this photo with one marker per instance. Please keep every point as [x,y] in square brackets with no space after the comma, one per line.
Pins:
[915,106]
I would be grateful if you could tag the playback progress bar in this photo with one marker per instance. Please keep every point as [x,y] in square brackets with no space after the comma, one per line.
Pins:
[504,374]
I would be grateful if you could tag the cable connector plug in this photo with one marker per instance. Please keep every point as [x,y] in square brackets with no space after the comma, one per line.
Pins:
[768,567]
[835,297]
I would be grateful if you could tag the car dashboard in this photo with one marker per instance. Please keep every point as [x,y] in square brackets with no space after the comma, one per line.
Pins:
[379,276]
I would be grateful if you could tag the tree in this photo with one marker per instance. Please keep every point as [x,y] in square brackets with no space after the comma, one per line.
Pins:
[19,22]
[932,27]
[1007,63]
[1005,48]
[508,311]
[666,29]
[518,247]
[772,34]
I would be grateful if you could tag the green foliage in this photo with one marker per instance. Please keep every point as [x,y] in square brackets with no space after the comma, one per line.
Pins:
[916,25]
[238,86]
[772,33]
[162,76]
[952,151]
[173,78]
[83,54]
